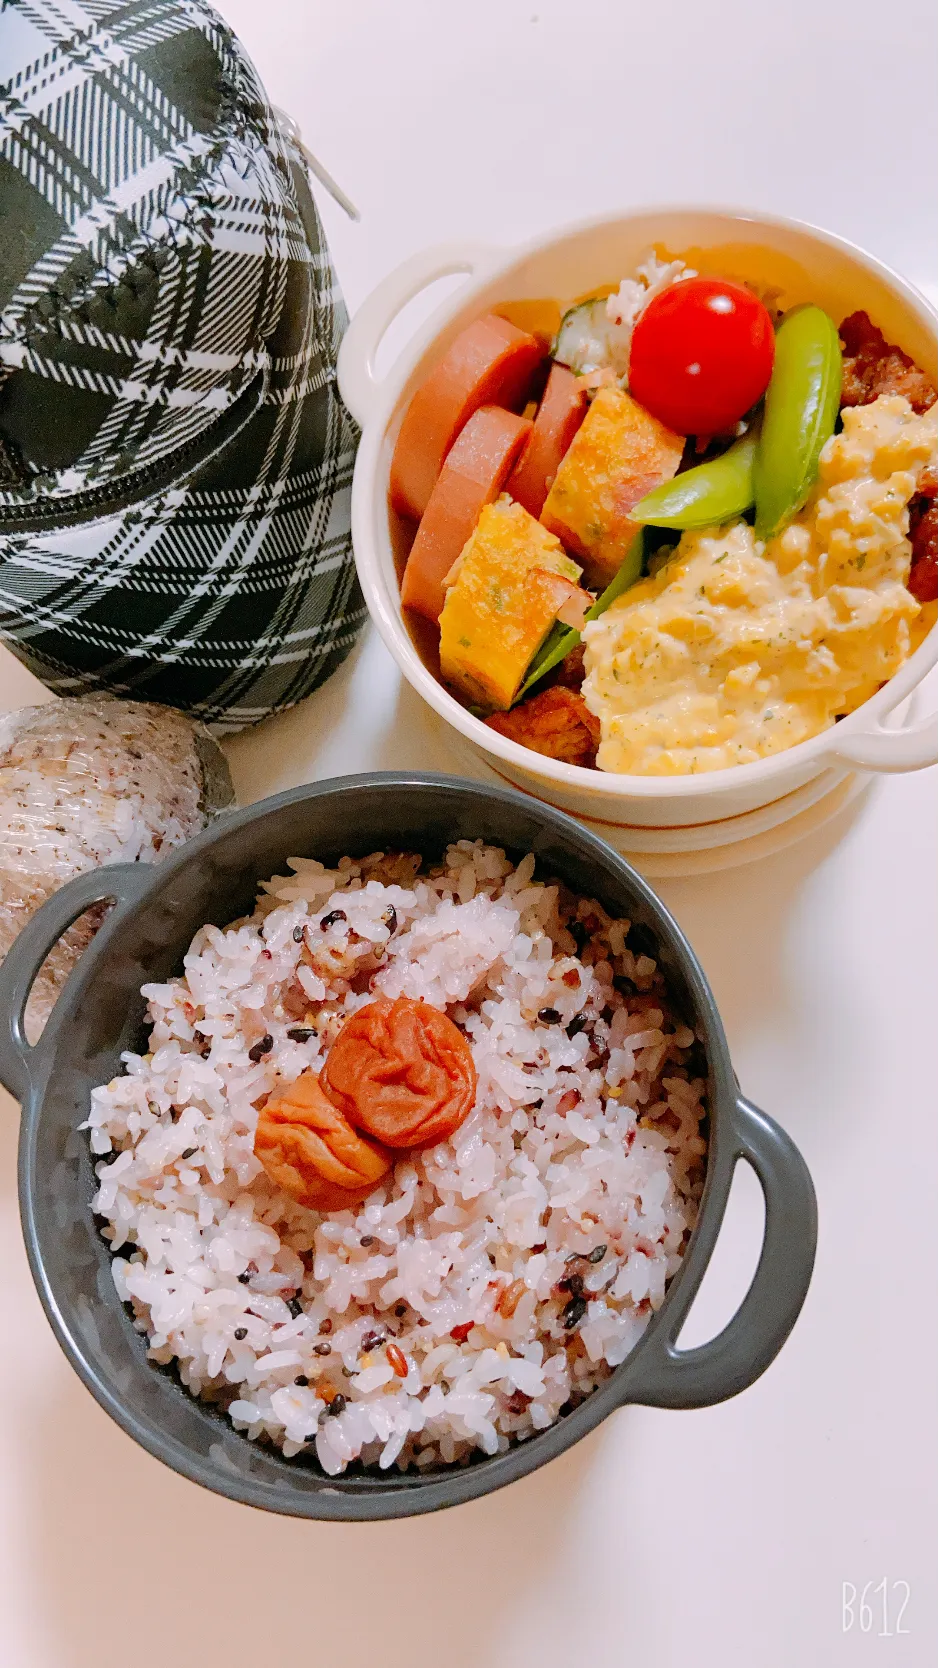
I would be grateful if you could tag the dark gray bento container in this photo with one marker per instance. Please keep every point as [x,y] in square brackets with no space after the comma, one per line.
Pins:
[213,878]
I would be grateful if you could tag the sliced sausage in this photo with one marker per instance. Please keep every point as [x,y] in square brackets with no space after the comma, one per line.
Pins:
[490,363]
[479,464]
[559,416]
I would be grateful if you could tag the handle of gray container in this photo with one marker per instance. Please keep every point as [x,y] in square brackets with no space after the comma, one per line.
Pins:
[667,1376]
[118,883]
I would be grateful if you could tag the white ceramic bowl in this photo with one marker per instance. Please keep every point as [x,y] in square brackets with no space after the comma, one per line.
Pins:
[807,264]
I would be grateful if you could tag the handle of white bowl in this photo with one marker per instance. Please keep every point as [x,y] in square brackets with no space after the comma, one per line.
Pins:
[912,747]
[358,383]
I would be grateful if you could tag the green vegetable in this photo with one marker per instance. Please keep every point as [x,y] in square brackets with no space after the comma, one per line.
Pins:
[581,341]
[562,639]
[802,403]
[705,496]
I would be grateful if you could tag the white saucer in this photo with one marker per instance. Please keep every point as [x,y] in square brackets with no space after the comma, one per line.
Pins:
[703,848]
[749,845]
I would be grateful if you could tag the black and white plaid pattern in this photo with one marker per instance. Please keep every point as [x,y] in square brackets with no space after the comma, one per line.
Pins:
[175,463]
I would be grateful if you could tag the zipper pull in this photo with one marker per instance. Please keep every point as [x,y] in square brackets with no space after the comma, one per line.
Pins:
[291,130]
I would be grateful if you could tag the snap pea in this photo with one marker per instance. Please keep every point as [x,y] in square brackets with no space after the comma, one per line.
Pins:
[705,496]
[801,409]
[562,639]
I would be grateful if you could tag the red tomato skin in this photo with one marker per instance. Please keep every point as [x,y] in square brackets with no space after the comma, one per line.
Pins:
[701,355]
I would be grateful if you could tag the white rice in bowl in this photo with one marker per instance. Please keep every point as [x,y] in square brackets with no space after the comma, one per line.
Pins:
[512,1266]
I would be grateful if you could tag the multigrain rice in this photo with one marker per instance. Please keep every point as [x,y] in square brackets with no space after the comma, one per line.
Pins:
[491,1281]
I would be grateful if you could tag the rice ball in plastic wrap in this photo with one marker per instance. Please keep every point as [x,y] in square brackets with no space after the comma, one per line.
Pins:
[175,460]
[88,781]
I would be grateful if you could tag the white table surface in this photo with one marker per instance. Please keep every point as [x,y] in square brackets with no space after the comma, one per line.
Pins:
[720,1537]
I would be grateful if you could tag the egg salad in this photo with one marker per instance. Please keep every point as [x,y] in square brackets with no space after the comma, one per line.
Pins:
[734,648]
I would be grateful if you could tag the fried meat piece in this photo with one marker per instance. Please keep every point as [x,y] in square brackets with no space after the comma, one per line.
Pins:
[924,571]
[557,723]
[569,673]
[872,366]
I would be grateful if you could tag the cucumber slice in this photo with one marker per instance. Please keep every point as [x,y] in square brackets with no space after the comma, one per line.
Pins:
[582,342]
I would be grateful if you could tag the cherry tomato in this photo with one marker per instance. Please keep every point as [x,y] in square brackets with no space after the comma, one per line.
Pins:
[701,355]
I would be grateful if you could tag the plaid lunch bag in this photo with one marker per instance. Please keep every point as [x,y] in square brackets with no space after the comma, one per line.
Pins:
[175,462]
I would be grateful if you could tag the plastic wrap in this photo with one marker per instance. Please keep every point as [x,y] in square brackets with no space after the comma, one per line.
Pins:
[87,781]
